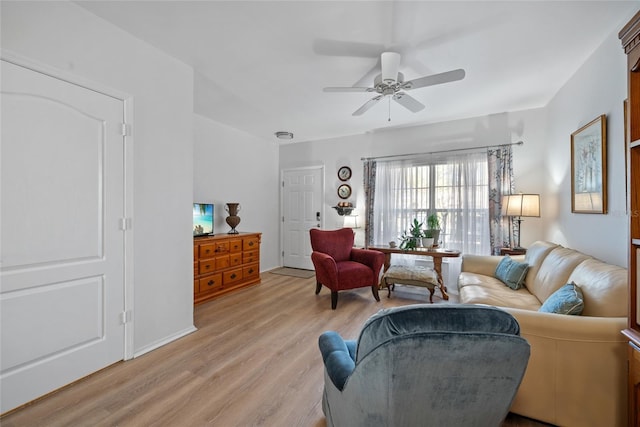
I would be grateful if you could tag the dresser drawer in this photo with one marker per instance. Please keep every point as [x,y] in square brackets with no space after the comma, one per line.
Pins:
[207,266]
[207,250]
[235,245]
[250,243]
[235,259]
[210,283]
[195,268]
[251,271]
[250,256]
[232,276]
[222,262]
[222,247]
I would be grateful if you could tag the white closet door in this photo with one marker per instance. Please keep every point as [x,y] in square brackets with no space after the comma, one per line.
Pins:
[61,247]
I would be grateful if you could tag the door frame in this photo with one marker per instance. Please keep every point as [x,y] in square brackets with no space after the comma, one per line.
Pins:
[127,101]
[320,167]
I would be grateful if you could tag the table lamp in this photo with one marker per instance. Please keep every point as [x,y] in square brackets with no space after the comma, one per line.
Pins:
[519,205]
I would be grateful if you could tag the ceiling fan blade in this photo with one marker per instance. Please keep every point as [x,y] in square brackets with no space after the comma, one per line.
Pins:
[435,79]
[408,102]
[390,65]
[370,103]
[348,89]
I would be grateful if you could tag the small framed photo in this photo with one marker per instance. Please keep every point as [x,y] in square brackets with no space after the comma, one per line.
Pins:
[589,167]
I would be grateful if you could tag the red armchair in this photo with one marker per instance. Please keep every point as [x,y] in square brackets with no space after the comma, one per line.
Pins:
[339,266]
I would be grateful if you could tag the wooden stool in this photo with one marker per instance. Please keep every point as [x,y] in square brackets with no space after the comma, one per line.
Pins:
[417,276]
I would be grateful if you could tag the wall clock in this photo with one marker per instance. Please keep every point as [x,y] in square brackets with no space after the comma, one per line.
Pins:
[344,173]
[344,191]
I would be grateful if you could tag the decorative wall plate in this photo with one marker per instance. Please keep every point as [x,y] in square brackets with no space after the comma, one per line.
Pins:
[344,173]
[344,191]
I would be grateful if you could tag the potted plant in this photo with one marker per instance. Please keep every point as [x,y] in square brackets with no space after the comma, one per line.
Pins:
[410,239]
[427,239]
[433,224]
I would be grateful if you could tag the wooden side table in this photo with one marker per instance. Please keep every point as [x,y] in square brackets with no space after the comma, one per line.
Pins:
[436,254]
[513,251]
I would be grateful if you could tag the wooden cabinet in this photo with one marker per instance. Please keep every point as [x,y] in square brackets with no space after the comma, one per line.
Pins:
[630,37]
[224,263]
[513,251]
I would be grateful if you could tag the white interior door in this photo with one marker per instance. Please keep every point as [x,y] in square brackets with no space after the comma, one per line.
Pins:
[302,210]
[61,247]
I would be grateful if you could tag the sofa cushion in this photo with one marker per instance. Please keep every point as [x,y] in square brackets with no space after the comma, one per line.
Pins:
[554,272]
[566,300]
[478,289]
[511,273]
[536,253]
[604,287]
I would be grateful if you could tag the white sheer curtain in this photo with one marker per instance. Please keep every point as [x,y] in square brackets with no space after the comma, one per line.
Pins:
[455,186]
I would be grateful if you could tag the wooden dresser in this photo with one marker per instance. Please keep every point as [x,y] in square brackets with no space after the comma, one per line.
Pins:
[630,37]
[224,263]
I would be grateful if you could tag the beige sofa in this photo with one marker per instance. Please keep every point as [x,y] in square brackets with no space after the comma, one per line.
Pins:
[577,371]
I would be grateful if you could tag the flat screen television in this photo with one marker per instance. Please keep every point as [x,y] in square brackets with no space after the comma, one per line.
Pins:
[202,219]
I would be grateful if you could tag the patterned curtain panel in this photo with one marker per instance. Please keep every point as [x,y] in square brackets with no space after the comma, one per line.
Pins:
[503,231]
[369,195]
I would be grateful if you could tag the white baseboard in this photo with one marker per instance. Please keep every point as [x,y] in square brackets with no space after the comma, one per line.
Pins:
[165,341]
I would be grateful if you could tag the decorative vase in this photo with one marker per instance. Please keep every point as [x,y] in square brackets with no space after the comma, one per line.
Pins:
[233,219]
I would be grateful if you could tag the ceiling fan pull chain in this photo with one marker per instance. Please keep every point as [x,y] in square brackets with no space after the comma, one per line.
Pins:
[389,109]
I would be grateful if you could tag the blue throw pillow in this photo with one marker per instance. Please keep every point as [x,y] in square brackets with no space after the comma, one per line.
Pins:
[566,300]
[512,273]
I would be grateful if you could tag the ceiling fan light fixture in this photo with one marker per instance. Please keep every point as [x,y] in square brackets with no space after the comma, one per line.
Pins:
[390,65]
[284,135]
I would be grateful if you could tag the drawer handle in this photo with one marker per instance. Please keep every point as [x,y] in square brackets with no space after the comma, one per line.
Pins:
[250,270]
[210,282]
[206,266]
[206,251]
[250,243]
[233,276]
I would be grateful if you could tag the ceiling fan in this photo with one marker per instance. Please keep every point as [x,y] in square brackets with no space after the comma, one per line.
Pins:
[391,83]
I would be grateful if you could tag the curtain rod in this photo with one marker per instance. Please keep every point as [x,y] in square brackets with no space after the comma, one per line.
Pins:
[441,151]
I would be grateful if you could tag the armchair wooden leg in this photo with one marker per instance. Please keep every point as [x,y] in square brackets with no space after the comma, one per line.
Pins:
[374,290]
[318,287]
[334,299]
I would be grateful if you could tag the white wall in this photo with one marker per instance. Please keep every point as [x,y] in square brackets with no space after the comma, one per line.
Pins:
[598,87]
[233,166]
[542,165]
[527,126]
[67,37]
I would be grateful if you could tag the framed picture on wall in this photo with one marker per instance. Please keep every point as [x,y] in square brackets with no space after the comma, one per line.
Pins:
[589,167]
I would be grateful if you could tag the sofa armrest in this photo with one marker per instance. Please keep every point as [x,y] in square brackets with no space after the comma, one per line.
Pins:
[480,264]
[577,372]
[569,328]
[336,355]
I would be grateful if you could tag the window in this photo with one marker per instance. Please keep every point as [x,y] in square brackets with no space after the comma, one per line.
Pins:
[453,186]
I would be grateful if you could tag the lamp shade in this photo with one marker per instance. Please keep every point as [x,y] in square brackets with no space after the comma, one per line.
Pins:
[521,205]
[351,221]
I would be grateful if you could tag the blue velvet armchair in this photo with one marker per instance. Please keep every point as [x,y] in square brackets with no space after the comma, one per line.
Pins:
[340,266]
[425,365]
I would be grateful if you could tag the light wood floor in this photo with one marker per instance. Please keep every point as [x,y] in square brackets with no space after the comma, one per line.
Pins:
[254,361]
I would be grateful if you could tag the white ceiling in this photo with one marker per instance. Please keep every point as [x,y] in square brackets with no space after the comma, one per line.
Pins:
[260,66]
